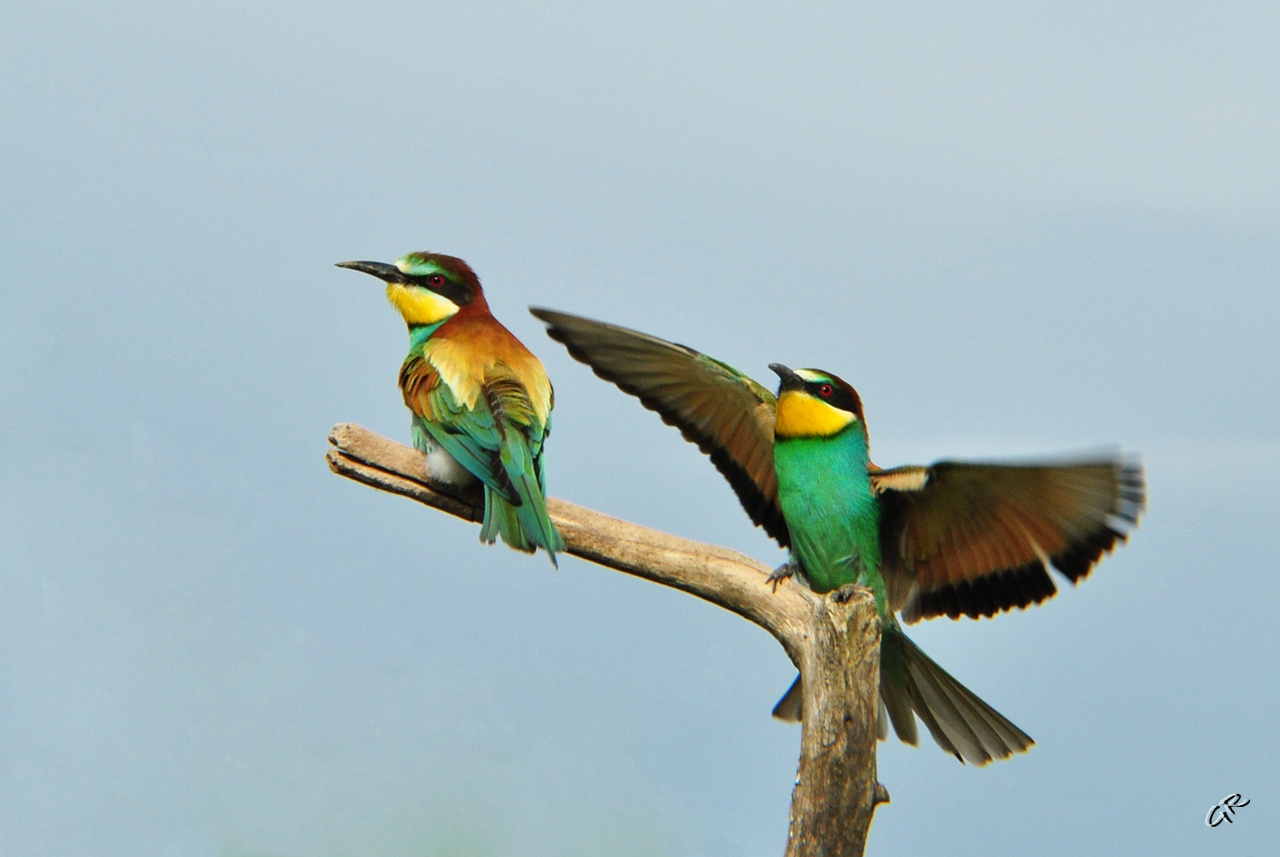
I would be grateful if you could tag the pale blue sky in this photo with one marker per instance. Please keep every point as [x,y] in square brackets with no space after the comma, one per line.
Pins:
[1016,228]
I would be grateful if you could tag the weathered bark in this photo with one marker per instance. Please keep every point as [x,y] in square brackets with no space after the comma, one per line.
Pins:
[834,643]
[836,790]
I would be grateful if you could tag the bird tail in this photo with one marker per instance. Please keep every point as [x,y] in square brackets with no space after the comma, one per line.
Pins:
[525,525]
[912,685]
[961,723]
[791,707]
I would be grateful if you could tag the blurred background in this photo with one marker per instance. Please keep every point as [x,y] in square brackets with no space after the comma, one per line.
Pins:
[1017,228]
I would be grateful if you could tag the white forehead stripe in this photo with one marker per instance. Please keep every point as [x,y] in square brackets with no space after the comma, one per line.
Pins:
[810,375]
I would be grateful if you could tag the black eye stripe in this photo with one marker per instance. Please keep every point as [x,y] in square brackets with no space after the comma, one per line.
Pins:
[459,293]
[836,394]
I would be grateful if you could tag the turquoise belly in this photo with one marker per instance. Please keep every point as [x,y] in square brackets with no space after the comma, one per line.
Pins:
[831,513]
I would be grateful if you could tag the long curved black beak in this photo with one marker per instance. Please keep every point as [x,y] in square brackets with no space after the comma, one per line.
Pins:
[384,272]
[790,380]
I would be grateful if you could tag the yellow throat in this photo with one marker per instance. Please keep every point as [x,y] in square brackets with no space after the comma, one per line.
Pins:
[801,415]
[419,306]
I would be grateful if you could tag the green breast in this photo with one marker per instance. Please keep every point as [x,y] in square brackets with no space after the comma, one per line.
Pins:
[831,513]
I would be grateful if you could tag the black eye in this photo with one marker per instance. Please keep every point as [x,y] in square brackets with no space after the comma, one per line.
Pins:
[826,390]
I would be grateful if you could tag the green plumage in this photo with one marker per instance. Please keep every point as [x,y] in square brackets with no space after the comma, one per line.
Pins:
[951,539]
[481,401]
[501,445]
[499,441]
[956,538]
[830,511]
[834,518]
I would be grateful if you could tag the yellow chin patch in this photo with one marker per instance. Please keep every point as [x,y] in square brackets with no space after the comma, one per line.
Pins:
[801,415]
[419,306]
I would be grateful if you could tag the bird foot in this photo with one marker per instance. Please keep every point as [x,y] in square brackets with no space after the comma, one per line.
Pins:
[781,573]
[844,593]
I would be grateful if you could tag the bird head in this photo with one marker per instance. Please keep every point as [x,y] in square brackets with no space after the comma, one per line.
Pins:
[426,288]
[813,403]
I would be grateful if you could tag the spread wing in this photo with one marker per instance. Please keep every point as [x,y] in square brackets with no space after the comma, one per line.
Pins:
[728,415]
[978,539]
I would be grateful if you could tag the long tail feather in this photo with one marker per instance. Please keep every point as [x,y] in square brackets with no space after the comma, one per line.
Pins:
[525,526]
[911,686]
[959,721]
[537,527]
[502,519]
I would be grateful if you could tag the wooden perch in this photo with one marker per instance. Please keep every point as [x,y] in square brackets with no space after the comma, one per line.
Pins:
[835,644]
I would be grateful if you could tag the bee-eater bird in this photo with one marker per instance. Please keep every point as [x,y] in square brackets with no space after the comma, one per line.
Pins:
[481,401]
[950,539]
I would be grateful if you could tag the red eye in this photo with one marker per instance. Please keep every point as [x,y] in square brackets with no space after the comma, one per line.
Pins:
[436,280]
[826,390]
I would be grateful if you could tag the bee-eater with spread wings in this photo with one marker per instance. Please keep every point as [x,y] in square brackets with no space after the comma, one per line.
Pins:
[481,401]
[952,538]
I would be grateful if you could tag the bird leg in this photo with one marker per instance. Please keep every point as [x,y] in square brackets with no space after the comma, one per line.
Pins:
[781,573]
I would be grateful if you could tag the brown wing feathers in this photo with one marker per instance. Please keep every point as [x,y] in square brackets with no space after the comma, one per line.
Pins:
[713,407]
[975,540]
[958,539]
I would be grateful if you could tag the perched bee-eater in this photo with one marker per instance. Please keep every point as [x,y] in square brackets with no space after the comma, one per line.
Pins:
[954,539]
[481,401]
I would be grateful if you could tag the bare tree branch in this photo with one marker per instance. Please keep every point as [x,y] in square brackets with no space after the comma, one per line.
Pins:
[834,642]
[716,574]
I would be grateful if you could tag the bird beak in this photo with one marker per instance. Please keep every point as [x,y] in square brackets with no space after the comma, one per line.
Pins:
[386,273]
[790,380]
